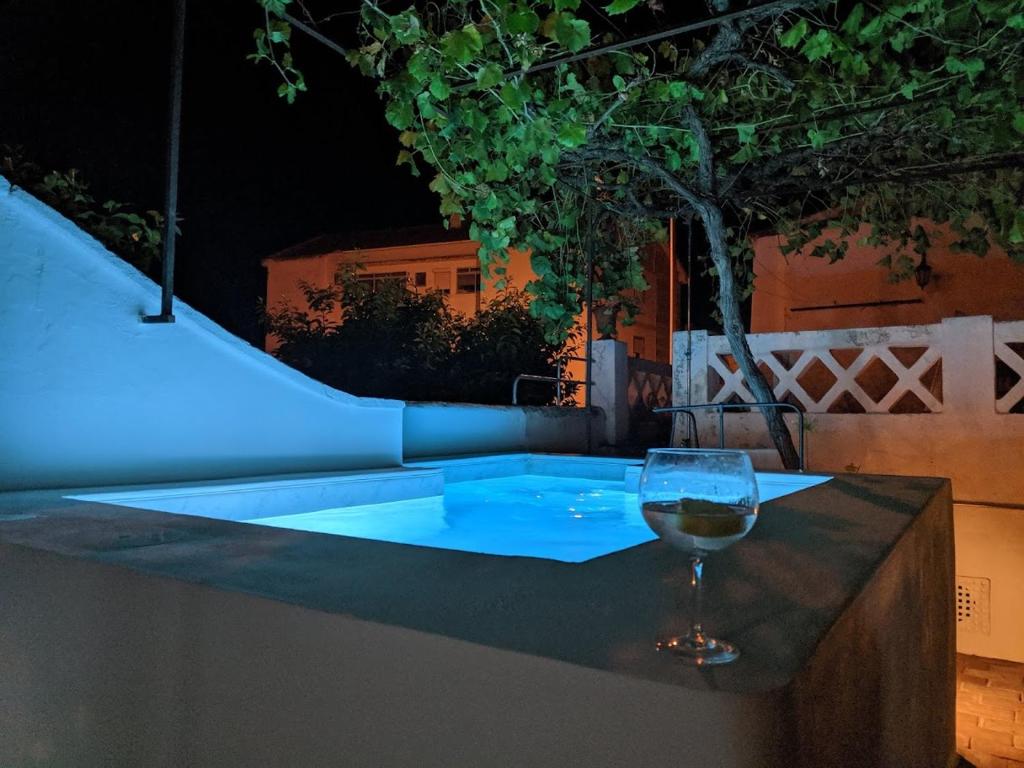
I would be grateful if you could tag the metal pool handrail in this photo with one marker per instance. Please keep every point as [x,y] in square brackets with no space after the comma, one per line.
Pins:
[549,379]
[723,407]
[557,380]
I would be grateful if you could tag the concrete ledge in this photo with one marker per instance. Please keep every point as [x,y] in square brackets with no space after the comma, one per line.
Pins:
[434,429]
[131,635]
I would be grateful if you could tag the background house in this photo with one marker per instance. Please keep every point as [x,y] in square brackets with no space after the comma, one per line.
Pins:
[435,258]
[800,292]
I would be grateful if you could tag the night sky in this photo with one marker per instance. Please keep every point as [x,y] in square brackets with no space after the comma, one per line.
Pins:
[84,85]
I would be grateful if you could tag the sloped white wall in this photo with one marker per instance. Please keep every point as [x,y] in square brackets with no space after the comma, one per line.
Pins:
[89,395]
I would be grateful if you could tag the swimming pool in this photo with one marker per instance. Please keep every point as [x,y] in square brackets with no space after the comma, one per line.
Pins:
[566,508]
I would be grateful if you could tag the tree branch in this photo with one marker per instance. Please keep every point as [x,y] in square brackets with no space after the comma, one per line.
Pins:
[788,186]
[705,168]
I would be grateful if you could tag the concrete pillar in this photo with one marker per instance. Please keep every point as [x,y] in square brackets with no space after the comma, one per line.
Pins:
[611,388]
[689,376]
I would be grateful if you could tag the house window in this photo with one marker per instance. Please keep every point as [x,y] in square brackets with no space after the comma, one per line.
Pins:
[375,280]
[421,279]
[639,346]
[467,280]
[443,281]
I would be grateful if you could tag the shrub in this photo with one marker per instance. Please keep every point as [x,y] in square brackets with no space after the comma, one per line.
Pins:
[137,237]
[393,342]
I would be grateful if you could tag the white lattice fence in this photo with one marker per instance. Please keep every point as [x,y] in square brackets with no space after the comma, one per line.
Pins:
[885,370]
[1008,346]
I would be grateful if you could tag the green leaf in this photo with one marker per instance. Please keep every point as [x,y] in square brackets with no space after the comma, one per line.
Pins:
[497,171]
[572,134]
[439,184]
[621,6]
[514,96]
[1018,122]
[971,67]
[399,114]
[571,32]
[818,46]
[280,31]
[419,66]
[425,105]
[852,24]
[567,5]
[522,20]
[1016,235]
[791,37]
[406,26]
[439,89]
[488,76]
[872,29]
[907,89]
[745,132]
[462,44]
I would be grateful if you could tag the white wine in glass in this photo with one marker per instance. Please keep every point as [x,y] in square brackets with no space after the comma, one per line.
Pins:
[699,502]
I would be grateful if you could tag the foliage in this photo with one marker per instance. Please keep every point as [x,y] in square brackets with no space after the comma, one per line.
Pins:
[859,110]
[136,237]
[273,41]
[876,113]
[412,346]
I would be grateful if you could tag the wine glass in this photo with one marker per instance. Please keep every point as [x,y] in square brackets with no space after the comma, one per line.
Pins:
[699,502]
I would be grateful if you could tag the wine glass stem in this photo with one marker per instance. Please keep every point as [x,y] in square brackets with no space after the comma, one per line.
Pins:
[696,600]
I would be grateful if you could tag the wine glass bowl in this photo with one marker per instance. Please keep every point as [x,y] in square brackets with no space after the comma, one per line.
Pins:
[699,502]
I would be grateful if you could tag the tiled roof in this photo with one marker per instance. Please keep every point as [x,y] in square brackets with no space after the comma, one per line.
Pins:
[348,241]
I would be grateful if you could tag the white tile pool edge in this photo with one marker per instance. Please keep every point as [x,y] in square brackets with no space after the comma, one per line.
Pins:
[254,498]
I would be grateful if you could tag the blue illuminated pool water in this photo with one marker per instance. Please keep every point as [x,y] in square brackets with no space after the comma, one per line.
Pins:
[558,518]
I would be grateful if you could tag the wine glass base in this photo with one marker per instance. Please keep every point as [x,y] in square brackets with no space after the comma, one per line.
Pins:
[709,652]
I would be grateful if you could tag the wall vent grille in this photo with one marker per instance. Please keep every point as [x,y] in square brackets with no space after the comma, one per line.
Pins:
[972,604]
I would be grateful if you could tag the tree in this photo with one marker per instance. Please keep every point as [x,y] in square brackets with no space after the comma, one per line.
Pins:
[540,121]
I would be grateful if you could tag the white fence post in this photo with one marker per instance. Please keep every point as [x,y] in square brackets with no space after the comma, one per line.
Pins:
[968,365]
[690,375]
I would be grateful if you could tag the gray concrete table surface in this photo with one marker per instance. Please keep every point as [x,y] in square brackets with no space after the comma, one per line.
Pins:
[776,594]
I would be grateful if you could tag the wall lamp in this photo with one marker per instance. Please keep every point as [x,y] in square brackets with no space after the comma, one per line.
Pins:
[923,272]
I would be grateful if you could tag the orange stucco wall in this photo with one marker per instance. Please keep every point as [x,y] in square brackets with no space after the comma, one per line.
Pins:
[800,292]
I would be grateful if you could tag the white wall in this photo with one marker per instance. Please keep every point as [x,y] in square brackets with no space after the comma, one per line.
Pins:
[450,429]
[89,395]
[969,438]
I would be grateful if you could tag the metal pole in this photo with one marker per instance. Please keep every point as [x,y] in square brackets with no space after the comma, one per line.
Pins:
[590,325]
[171,199]
[800,426]
[689,320]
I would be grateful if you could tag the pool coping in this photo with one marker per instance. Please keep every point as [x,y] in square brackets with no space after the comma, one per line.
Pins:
[823,544]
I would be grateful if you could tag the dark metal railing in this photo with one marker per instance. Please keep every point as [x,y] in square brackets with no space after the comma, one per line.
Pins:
[723,407]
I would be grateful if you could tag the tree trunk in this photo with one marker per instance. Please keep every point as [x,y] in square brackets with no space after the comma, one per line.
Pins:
[729,306]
